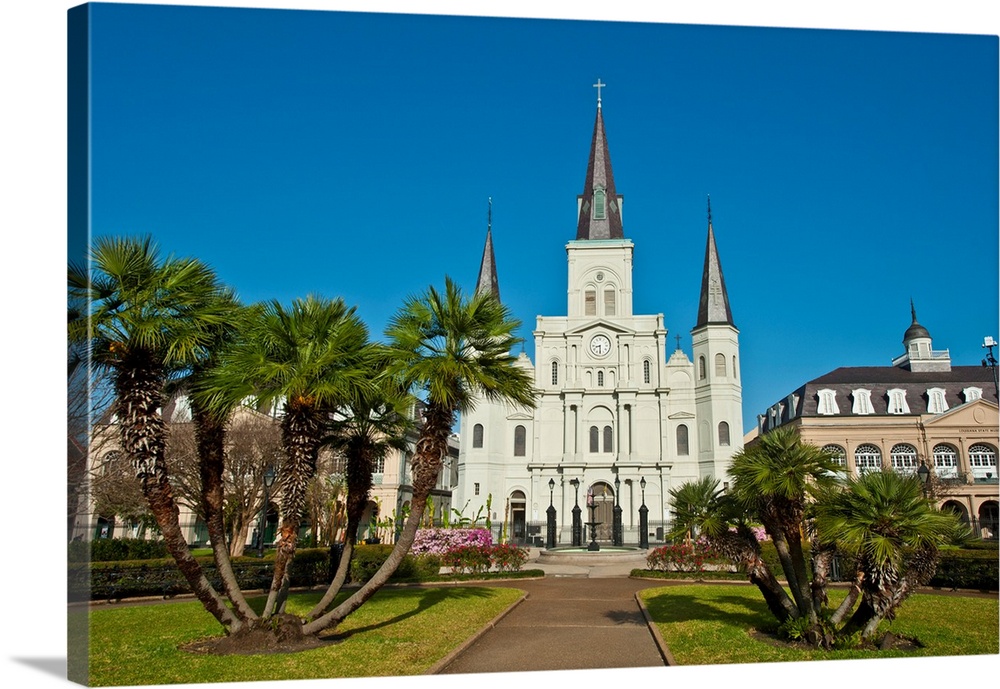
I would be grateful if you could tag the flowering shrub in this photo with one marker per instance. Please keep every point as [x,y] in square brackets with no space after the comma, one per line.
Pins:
[508,558]
[468,559]
[473,559]
[441,541]
[679,558]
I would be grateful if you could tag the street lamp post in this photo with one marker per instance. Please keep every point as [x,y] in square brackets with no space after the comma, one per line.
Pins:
[643,517]
[269,477]
[923,473]
[617,533]
[577,520]
[550,532]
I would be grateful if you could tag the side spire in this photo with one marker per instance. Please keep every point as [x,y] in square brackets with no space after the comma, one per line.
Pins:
[600,206]
[713,307]
[488,281]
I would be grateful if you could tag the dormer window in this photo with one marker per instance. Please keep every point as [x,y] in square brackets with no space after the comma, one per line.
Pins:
[862,402]
[600,204]
[971,394]
[936,402]
[827,403]
[897,402]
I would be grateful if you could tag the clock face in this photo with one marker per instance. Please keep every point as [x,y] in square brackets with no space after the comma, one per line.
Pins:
[600,345]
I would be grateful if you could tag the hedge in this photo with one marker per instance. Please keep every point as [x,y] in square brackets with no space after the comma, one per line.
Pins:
[160,577]
[116,580]
[968,569]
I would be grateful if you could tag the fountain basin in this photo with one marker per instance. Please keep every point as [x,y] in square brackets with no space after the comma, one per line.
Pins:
[607,555]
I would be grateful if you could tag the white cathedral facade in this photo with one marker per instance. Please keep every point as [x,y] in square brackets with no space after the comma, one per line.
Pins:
[621,419]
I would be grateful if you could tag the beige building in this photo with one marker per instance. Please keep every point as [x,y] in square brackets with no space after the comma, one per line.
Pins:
[919,410]
[391,492]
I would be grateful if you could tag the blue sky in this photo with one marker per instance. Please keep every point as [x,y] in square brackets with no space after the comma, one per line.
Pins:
[352,155]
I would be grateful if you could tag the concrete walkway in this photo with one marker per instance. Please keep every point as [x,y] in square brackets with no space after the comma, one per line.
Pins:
[577,617]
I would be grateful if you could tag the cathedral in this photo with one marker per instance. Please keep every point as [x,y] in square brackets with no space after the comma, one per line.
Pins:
[620,419]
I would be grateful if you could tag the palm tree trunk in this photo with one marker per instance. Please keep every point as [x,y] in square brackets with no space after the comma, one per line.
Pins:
[822,562]
[427,460]
[852,597]
[803,593]
[339,579]
[358,490]
[744,550]
[143,438]
[210,436]
[300,430]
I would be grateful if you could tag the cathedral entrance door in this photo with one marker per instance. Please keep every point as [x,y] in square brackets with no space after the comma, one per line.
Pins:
[518,510]
[603,497]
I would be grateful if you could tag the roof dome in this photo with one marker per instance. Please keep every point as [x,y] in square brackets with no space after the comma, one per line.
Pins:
[915,330]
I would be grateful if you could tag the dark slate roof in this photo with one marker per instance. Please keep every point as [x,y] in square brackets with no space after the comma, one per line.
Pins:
[599,175]
[880,379]
[713,306]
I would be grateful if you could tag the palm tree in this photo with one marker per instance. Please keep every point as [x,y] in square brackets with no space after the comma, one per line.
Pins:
[308,359]
[883,521]
[773,480]
[365,430]
[697,507]
[451,351]
[148,320]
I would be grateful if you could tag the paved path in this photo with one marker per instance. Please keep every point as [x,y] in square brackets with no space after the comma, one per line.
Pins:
[574,618]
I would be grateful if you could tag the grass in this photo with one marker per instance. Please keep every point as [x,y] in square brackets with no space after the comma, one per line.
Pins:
[398,632]
[709,624]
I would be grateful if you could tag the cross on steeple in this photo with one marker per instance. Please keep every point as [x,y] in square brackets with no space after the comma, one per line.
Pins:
[599,86]
[678,342]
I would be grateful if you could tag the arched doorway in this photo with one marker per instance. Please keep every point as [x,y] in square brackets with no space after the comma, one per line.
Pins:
[601,496]
[988,517]
[956,508]
[518,518]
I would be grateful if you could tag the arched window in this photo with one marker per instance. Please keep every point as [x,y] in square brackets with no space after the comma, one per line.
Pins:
[477,435]
[595,439]
[867,457]
[608,439]
[735,374]
[590,302]
[903,458]
[720,365]
[600,379]
[645,371]
[609,301]
[519,443]
[378,465]
[555,373]
[599,204]
[982,458]
[682,440]
[701,368]
[724,434]
[837,454]
[945,461]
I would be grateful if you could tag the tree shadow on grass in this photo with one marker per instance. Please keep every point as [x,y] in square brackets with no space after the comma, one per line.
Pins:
[731,609]
[428,598]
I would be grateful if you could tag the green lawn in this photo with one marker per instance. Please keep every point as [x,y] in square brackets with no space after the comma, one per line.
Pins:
[398,632]
[709,624]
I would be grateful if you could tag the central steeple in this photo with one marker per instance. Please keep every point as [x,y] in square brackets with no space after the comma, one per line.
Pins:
[599,205]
